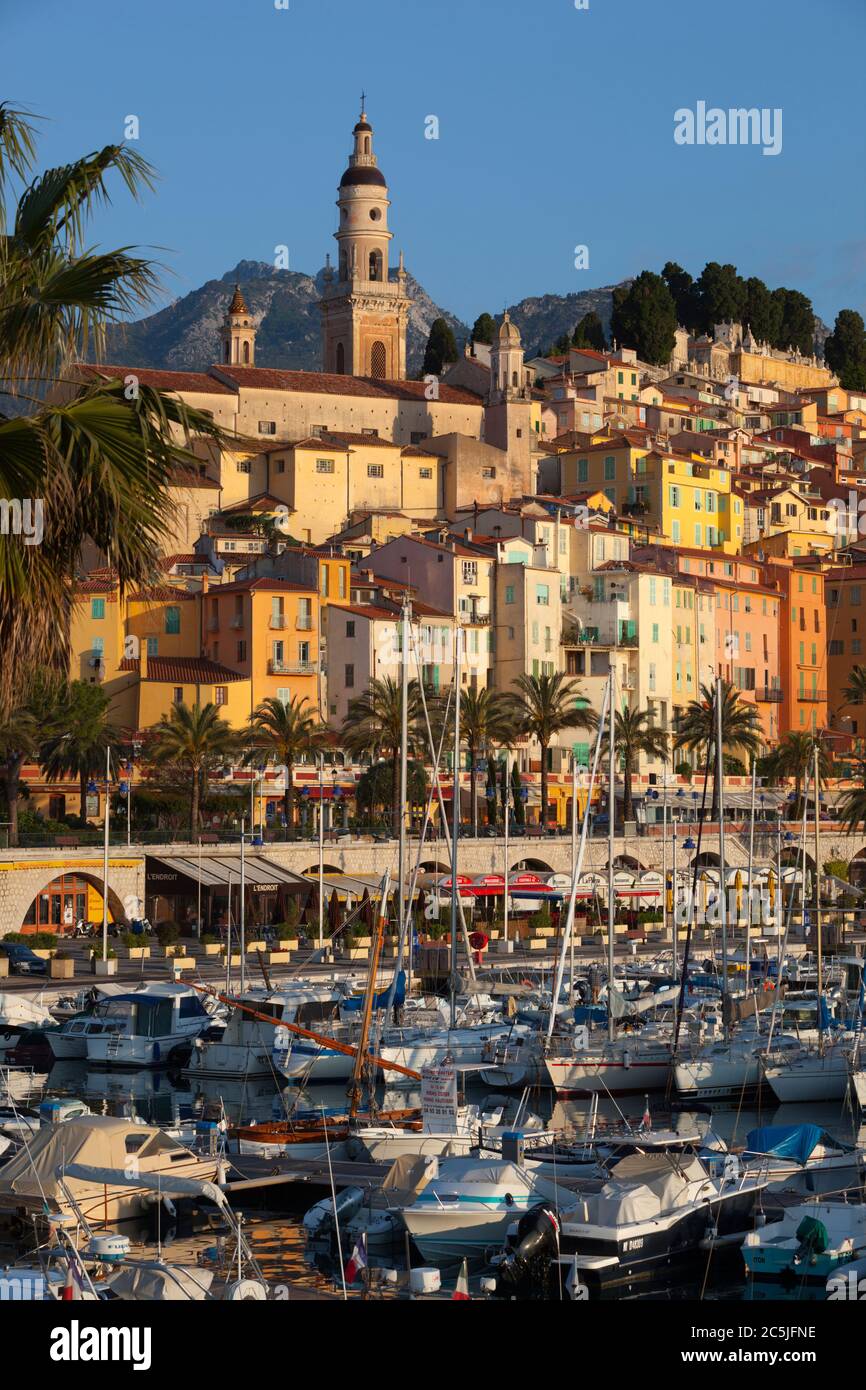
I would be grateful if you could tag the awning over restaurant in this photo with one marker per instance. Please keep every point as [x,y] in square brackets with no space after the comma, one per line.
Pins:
[172,876]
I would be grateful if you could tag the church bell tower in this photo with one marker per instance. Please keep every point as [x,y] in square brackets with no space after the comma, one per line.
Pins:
[364,312]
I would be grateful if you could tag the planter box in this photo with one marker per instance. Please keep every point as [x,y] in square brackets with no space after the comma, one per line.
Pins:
[505,948]
[61,969]
[213,948]
[495,935]
[4,967]
[44,953]
[545,931]
[390,951]
[357,953]
[287,944]
[257,945]
[234,959]
[104,967]
[279,957]
[536,943]
[364,942]
[138,952]
[182,963]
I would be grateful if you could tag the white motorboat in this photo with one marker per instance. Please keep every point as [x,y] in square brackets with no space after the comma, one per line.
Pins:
[804,1158]
[69,1041]
[18,1014]
[722,1070]
[21,1121]
[418,1049]
[151,1027]
[648,1224]
[251,1047]
[467,1205]
[475,1126]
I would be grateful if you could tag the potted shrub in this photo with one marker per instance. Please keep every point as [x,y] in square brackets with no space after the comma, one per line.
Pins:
[211,944]
[135,946]
[167,934]
[99,966]
[61,966]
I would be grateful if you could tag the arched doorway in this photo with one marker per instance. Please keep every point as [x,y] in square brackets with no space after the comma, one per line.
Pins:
[68,899]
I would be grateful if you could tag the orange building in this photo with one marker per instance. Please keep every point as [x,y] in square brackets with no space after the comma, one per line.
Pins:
[845,591]
[802,644]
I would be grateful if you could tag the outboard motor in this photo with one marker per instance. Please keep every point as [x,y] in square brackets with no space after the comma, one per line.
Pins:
[535,1244]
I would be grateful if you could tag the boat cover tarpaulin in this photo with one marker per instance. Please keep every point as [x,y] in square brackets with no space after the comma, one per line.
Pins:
[785,1141]
[737,1007]
[621,1007]
[644,1187]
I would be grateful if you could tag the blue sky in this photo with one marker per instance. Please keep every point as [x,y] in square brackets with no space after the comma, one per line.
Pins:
[556,129]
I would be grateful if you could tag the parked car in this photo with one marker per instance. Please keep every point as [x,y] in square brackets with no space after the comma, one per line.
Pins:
[23,961]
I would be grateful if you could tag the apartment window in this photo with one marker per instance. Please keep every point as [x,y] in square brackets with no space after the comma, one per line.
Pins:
[535,634]
[267,426]
[221,695]
[278,616]
[488,472]
[655,632]
[284,695]
[470,572]
[652,675]
[350,629]
[509,593]
[280,466]
[674,494]
[178,695]
[652,592]
[349,677]
[243,466]
[425,472]
[99,647]
[542,594]
[324,465]
[416,436]
[748,641]
[375,470]
[305,613]
[97,608]
[711,501]
[610,470]
[324,581]
[853,596]
[583,470]
[304,653]
[698,533]
[242,651]
[667,592]
[153,646]
[172,620]
[856,646]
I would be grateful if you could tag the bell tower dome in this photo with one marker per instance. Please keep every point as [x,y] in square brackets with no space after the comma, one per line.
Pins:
[238,333]
[364,312]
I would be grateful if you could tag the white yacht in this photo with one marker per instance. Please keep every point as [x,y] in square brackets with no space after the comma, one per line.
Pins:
[468,1205]
[809,1074]
[68,1043]
[251,1047]
[630,1062]
[151,1027]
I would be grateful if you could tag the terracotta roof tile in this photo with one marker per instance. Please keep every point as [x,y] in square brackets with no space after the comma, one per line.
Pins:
[184,670]
[329,383]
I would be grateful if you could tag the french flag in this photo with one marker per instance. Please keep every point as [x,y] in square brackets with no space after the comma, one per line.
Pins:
[461,1289]
[358,1261]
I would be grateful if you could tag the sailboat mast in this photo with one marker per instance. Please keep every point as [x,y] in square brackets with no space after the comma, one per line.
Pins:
[816,792]
[749,899]
[455,822]
[404,760]
[611,811]
[723,884]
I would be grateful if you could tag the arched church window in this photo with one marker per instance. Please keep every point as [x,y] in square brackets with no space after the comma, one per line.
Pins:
[375,265]
[513,378]
[246,354]
[341,360]
[344,265]
[377,360]
[228,351]
[366,144]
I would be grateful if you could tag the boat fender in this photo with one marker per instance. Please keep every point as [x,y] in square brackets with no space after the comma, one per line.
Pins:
[626,1059]
[246,1291]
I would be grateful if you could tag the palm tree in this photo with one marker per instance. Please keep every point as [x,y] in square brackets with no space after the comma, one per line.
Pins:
[95,456]
[193,739]
[19,741]
[794,756]
[741,730]
[852,807]
[284,733]
[544,706]
[635,733]
[372,727]
[485,719]
[855,691]
[77,747]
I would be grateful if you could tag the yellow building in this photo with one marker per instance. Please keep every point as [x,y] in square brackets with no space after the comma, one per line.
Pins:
[267,630]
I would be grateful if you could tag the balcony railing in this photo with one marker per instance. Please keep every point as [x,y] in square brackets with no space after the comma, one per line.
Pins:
[278,620]
[292,668]
[304,624]
[770,695]
[815,697]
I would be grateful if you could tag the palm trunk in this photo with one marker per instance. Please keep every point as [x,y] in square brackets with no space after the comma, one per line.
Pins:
[288,798]
[544,785]
[627,801]
[13,773]
[396,810]
[193,806]
[473,792]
